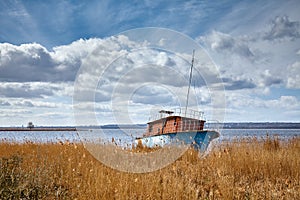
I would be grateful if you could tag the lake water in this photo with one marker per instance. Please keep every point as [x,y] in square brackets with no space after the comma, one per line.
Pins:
[127,135]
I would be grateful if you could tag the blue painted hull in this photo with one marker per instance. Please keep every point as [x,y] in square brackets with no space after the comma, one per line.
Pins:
[199,140]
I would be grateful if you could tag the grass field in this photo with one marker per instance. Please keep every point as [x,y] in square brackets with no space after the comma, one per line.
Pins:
[251,169]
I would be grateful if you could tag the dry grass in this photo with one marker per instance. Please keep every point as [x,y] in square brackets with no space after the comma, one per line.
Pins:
[239,170]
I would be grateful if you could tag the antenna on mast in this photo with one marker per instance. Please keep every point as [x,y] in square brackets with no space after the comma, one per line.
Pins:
[190,81]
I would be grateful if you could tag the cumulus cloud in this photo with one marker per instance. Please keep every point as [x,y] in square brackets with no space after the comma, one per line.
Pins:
[123,76]
[133,69]
[32,71]
[119,77]
[33,62]
[283,28]
[27,62]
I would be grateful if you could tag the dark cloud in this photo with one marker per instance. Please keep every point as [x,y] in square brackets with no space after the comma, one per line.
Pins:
[282,27]
[33,62]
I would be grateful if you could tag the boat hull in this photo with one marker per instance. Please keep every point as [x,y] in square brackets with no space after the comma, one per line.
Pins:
[199,140]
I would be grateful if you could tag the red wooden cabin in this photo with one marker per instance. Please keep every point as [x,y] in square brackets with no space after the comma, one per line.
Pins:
[175,123]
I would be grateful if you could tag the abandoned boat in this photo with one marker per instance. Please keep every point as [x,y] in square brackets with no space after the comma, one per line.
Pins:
[178,128]
[181,126]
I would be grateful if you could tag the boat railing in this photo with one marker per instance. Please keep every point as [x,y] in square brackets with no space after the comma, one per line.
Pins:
[182,112]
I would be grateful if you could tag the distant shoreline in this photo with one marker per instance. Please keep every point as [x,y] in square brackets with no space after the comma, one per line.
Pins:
[242,125]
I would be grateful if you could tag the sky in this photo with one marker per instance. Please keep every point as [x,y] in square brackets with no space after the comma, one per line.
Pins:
[54,53]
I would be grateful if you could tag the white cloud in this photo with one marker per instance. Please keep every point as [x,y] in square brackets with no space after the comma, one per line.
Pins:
[27,62]
[33,62]
[133,69]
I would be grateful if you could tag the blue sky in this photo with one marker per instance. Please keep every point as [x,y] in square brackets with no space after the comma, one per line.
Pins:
[254,44]
[62,22]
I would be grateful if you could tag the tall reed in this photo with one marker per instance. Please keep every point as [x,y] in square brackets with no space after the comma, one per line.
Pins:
[248,169]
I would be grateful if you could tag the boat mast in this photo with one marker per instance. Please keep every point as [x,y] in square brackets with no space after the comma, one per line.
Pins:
[190,81]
